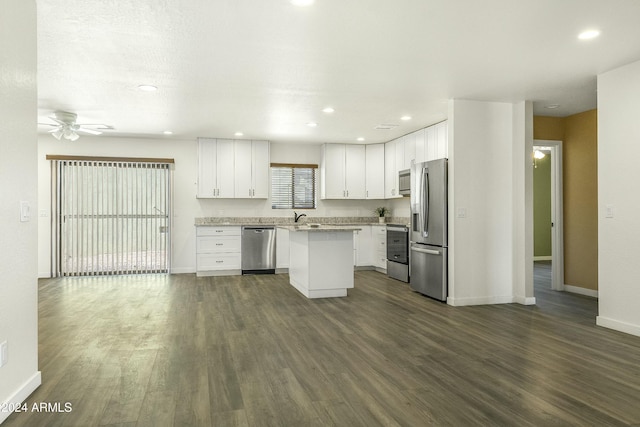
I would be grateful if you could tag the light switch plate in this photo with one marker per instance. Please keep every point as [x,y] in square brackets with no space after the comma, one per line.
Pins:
[608,211]
[461,213]
[25,211]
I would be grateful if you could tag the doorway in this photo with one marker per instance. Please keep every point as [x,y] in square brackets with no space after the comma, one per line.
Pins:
[548,213]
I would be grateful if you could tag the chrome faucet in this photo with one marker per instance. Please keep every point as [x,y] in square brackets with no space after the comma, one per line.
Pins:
[296,217]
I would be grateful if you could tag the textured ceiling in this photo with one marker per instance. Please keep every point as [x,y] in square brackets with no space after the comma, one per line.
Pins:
[266,67]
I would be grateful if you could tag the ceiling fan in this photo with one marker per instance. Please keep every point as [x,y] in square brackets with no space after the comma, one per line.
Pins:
[66,127]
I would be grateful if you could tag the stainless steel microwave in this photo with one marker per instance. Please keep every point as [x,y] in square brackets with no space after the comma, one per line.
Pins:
[404,182]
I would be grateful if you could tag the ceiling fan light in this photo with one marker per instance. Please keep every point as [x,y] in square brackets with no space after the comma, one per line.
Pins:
[73,136]
[57,134]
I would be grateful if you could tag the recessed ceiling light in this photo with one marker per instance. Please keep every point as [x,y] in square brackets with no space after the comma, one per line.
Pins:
[405,118]
[361,139]
[589,34]
[552,106]
[328,110]
[302,2]
[312,124]
[148,88]
[239,134]
[168,132]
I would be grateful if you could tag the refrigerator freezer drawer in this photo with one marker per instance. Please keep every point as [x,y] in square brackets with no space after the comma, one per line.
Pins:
[429,270]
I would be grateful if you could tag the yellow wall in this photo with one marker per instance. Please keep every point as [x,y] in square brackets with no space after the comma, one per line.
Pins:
[542,207]
[580,189]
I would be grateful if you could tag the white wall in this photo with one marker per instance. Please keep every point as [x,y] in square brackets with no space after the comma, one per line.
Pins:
[186,206]
[18,182]
[488,245]
[618,177]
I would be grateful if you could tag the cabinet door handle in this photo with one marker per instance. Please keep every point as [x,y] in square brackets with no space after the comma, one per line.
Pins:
[253,192]
[249,192]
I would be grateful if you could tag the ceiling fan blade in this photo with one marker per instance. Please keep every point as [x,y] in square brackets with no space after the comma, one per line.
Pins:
[48,124]
[89,131]
[59,122]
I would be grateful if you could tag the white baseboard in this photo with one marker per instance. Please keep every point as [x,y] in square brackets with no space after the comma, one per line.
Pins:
[44,275]
[543,258]
[22,394]
[581,291]
[182,270]
[219,273]
[459,302]
[617,325]
[525,300]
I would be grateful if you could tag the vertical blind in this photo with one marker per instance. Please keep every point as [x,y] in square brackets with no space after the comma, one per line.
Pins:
[111,217]
[293,186]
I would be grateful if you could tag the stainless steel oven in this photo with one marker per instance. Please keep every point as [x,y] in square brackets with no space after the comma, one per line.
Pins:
[398,252]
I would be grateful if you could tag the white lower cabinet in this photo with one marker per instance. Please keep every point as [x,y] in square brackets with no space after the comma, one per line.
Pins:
[218,250]
[362,245]
[282,248]
[379,245]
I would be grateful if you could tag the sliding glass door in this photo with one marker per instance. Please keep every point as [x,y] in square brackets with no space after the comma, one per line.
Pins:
[112,217]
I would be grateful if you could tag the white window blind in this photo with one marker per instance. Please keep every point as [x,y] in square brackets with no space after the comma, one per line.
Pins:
[111,217]
[293,186]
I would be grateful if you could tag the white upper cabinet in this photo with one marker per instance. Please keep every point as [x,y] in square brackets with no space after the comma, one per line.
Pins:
[442,137]
[409,150]
[342,171]
[332,171]
[421,145]
[399,155]
[432,143]
[374,171]
[215,168]
[355,171]
[437,141]
[390,171]
[251,169]
[233,169]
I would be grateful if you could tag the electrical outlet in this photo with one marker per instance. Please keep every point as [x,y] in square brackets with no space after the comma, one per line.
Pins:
[4,350]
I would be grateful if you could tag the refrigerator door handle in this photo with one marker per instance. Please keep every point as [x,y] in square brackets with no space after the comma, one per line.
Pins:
[425,201]
[425,251]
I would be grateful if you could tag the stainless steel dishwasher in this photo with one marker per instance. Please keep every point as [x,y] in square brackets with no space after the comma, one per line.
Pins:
[258,250]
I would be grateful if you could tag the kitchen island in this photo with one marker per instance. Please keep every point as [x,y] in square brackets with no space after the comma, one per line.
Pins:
[321,259]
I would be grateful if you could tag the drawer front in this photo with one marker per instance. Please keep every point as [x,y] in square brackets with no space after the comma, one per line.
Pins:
[208,244]
[223,261]
[218,231]
[379,231]
[380,260]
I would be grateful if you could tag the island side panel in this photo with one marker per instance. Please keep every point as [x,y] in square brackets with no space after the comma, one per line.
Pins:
[299,261]
[331,261]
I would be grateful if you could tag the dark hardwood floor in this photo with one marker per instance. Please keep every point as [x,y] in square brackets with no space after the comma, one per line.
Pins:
[251,351]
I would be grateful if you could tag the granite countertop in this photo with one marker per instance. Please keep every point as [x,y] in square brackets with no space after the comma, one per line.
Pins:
[320,228]
[288,221]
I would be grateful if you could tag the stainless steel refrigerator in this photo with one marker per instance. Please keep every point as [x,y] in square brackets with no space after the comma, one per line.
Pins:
[428,247]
